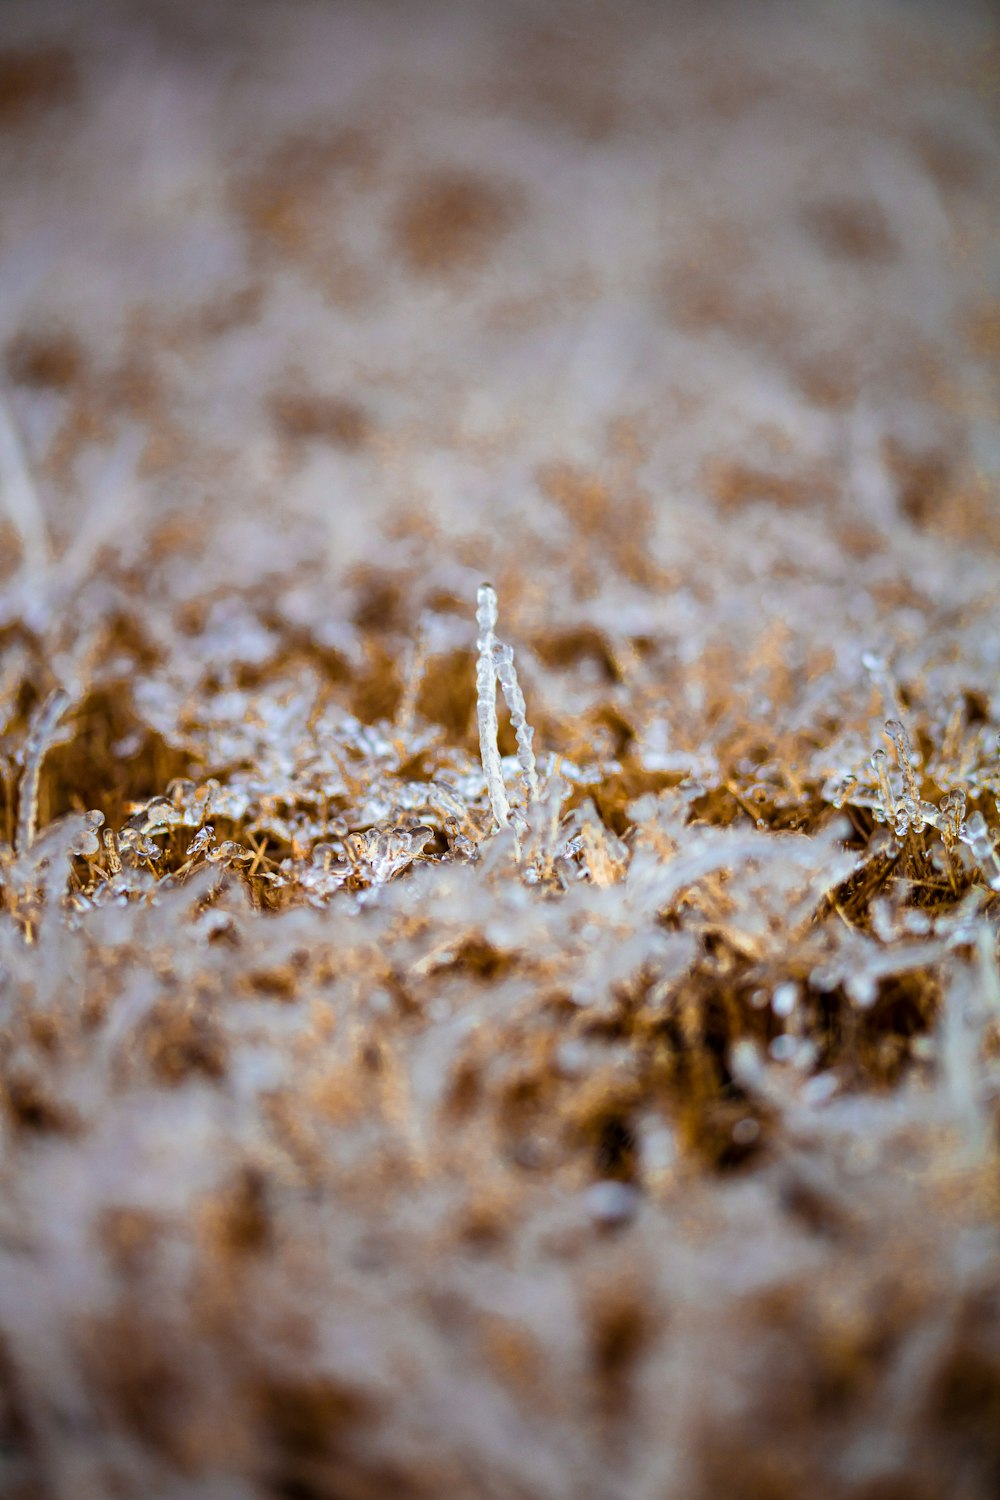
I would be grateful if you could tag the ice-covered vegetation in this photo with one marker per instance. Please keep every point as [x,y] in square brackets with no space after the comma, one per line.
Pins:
[825,890]
[526,1040]
[395,1006]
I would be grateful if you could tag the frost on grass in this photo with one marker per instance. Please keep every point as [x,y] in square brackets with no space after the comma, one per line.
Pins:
[399,1097]
[739,940]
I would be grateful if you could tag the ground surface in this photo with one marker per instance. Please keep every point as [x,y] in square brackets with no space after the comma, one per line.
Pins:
[646,1147]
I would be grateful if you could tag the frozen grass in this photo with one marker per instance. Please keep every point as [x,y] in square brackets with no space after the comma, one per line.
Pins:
[410,1089]
[379,1035]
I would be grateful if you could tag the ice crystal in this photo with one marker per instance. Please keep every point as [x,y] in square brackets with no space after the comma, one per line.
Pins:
[503,658]
[486,704]
[41,735]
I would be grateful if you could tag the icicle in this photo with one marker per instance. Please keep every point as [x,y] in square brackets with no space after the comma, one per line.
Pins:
[486,704]
[837,789]
[503,658]
[111,851]
[904,755]
[44,724]
[886,808]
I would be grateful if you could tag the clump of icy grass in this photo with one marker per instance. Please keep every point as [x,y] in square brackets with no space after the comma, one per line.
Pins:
[302,1072]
